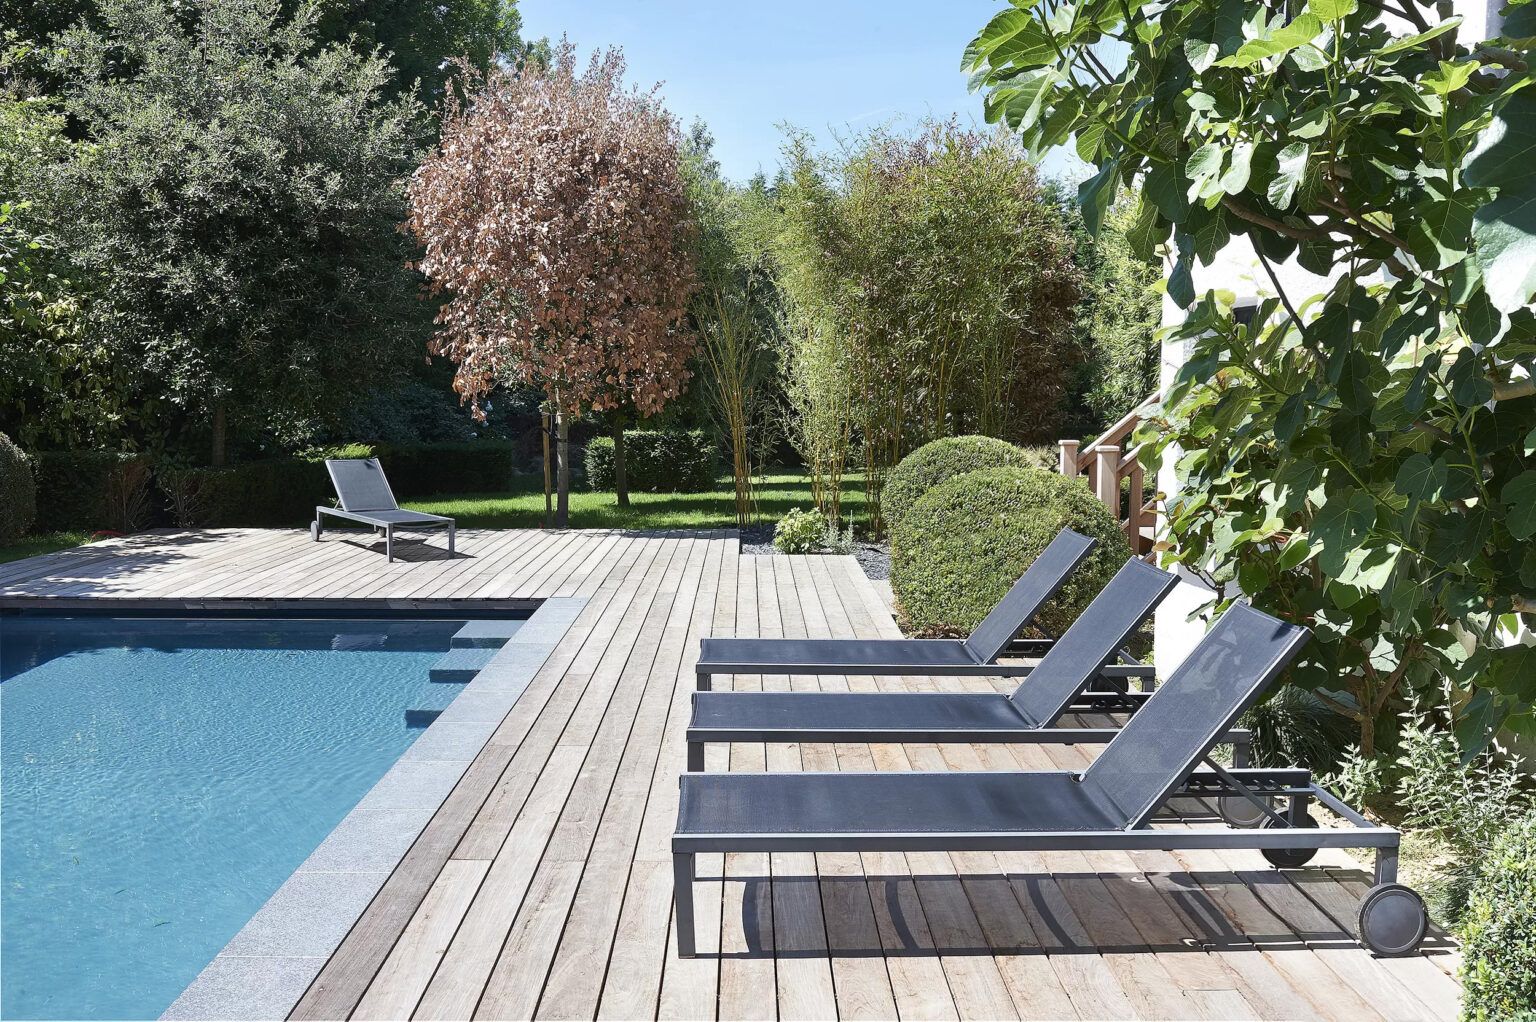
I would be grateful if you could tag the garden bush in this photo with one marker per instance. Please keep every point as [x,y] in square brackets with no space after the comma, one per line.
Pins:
[18,493]
[656,461]
[430,470]
[1499,932]
[800,531]
[82,491]
[964,543]
[943,459]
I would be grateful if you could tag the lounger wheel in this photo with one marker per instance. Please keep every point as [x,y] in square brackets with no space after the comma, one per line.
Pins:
[314,530]
[1237,811]
[1392,919]
[1288,858]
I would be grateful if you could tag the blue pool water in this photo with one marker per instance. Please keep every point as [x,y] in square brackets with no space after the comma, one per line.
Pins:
[159,779]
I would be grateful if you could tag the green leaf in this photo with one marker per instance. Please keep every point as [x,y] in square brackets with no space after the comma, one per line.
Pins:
[1292,163]
[1411,42]
[1420,478]
[1302,30]
[1096,195]
[1240,167]
[1449,77]
[1340,527]
[1519,497]
[1332,10]
[1505,229]
[1165,189]
[1530,442]
[1512,671]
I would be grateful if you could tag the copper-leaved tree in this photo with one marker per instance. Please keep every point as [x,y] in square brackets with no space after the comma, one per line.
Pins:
[555,221]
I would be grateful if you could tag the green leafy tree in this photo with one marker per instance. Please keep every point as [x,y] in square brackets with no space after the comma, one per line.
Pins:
[1357,460]
[233,211]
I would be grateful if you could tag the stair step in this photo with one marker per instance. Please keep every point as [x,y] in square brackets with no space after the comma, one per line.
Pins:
[461,664]
[484,634]
[421,718]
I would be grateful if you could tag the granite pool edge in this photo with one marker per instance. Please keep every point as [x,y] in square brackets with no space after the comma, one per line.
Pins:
[266,967]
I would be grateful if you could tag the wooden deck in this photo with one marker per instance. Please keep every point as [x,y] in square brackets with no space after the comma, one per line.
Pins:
[542,887]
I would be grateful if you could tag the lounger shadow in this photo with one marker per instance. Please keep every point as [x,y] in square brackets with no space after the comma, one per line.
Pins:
[366,497]
[1107,806]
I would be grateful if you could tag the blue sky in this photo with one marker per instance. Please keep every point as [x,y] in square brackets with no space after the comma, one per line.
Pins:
[746,68]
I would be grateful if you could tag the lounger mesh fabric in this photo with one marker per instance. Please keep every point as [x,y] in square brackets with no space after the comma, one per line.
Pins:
[1040,581]
[1168,736]
[361,486]
[915,654]
[1091,641]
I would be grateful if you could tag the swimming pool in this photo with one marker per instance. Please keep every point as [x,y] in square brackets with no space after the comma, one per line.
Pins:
[162,777]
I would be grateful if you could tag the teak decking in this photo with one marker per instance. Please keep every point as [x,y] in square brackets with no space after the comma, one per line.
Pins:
[542,887]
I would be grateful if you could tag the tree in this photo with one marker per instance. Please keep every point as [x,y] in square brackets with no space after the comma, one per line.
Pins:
[1356,460]
[736,309]
[555,221]
[232,210]
[933,273]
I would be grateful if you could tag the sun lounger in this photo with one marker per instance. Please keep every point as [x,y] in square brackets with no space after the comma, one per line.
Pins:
[1110,805]
[366,497]
[1055,687]
[975,656]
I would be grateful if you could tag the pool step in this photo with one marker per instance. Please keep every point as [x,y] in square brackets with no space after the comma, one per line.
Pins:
[461,664]
[421,718]
[484,634]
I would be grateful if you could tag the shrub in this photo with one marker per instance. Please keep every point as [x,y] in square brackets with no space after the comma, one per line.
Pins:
[81,491]
[800,532]
[1499,933]
[964,543]
[276,493]
[1293,727]
[656,461]
[429,470]
[935,462]
[18,493]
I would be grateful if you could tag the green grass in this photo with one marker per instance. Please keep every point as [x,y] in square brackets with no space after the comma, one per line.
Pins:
[33,546]
[523,507]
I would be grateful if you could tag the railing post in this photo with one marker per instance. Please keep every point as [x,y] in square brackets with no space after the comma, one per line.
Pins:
[1067,459]
[1106,477]
[1137,517]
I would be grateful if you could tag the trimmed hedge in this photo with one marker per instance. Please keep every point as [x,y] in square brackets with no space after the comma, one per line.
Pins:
[76,489]
[1499,932]
[18,493]
[656,461]
[430,470]
[964,543]
[943,459]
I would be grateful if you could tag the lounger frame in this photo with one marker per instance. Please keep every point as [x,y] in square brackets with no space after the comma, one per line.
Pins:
[388,528]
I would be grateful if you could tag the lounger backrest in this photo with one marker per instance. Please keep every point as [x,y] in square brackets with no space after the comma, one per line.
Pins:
[1159,746]
[361,485]
[1092,641]
[1039,583]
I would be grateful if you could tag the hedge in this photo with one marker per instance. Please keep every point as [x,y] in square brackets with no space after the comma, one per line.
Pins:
[1499,931]
[943,459]
[656,461]
[18,493]
[964,543]
[83,490]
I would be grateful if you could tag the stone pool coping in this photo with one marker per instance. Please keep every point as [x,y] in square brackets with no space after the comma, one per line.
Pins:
[266,967]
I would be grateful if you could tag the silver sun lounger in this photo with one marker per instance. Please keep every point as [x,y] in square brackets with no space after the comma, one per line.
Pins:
[366,497]
[1056,686]
[975,656]
[1110,805]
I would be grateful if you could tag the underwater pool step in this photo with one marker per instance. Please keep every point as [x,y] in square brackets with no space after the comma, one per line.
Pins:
[461,664]
[485,634]
[421,718]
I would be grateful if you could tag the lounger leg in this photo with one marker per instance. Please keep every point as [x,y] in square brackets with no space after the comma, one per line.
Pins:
[695,757]
[1386,865]
[701,681]
[682,891]
[1242,751]
[1297,812]
[452,528]
[389,542]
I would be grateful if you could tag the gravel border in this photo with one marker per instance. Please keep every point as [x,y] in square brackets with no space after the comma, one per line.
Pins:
[874,558]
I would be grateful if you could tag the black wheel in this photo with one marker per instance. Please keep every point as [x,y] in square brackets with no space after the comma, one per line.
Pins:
[1237,811]
[1392,920]
[1288,858]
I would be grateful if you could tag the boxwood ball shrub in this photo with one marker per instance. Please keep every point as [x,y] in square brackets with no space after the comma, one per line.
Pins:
[18,493]
[939,460]
[656,461]
[1499,932]
[964,543]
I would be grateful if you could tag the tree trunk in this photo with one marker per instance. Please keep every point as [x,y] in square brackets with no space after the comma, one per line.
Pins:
[219,452]
[563,500]
[620,475]
[549,506]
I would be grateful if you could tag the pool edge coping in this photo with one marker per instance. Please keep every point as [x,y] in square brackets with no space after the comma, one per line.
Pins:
[264,970]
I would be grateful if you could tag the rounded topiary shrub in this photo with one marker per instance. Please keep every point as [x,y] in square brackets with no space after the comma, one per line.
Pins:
[18,493]
[1499,931]
[964,543]
[943,459]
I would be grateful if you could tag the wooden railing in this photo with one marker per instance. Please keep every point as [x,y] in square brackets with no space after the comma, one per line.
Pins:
[1105,462]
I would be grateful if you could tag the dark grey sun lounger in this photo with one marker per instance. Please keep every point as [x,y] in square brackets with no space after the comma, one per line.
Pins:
[1110,805]
[975,656]
[366,497]
[1055,686]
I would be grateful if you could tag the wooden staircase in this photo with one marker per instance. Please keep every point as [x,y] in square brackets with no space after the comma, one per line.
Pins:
[1106,463]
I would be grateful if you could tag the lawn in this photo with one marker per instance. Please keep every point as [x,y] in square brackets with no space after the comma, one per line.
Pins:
[34,546]
[523,507]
